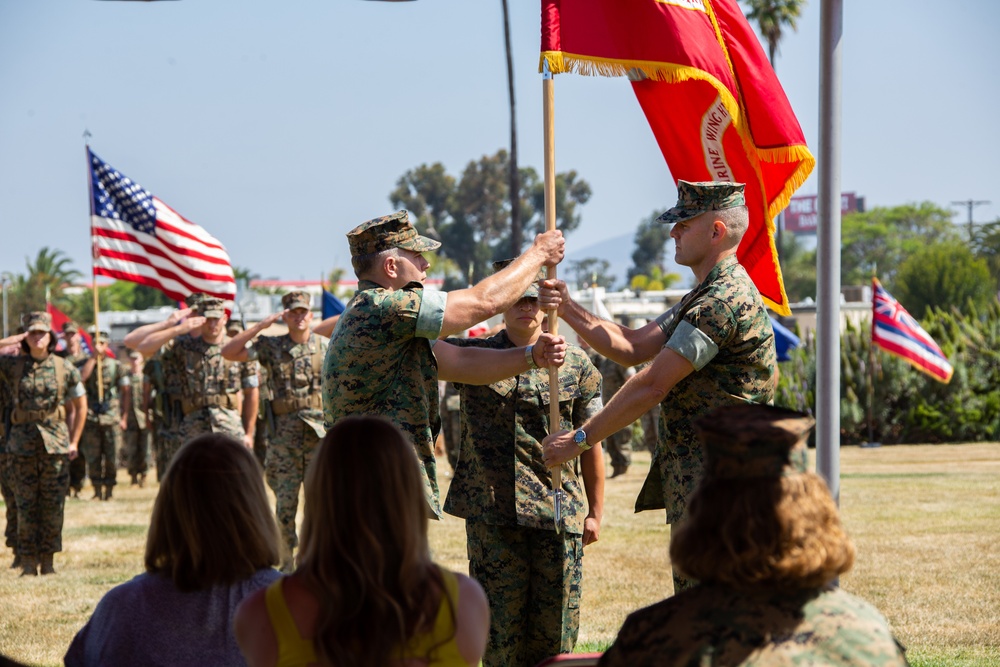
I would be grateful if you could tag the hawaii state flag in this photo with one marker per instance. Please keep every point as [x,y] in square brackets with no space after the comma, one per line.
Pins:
[709,94]
[138,238]
[896,332]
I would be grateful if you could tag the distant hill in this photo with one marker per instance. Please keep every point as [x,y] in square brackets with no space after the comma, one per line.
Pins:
[618,251]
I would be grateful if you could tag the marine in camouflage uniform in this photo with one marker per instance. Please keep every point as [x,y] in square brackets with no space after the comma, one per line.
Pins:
[716,345]
[75,354]
[162,429]
[137,432]
[784,616]
[102,436]
[213,395]
[293,364]
[384,358]
[39,443]
[531,572]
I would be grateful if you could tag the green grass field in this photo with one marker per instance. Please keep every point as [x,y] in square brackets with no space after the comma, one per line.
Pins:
[925,519]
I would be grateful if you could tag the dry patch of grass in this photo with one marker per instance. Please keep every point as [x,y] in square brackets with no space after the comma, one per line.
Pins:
[925,519]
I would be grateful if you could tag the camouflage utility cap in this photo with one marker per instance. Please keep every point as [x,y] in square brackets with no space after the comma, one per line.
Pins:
[36,321]
[212,306]
[296,299]
[693,199]
[753,440]
[233,327]
[532,291]
[70,328]
[102,337]
[389,231]
[194,300]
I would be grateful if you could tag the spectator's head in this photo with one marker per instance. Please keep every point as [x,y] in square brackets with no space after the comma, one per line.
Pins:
[364,550]
[364,498]
[759,518]
[211,523]
[389,249]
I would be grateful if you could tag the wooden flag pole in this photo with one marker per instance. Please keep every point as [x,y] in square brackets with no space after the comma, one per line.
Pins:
[548,116]
[97,332]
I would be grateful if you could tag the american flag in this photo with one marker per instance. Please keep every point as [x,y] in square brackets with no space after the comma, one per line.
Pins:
[896,332]
[138,238]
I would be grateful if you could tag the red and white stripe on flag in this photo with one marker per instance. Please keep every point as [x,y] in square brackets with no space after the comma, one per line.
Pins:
[896,332]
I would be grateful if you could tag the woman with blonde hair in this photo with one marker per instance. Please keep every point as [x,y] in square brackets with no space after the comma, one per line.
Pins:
[763,538]
[212,541]
[366,592]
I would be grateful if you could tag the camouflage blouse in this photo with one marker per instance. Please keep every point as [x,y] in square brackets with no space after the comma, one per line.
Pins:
[722,328]
[35,388]
[500,478]
[114,376]
[289,367]
[380,362]
[713,624]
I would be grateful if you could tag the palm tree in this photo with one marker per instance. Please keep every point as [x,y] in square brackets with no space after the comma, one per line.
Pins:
[514,182]
[771,17]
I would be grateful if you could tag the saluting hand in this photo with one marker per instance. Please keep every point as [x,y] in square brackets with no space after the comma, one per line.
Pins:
[191,323]
[178,315]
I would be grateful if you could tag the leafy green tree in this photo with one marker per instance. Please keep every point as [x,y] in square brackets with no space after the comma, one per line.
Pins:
[591,271]
[943,275]
[650,247]
[986,245]
[470,215]
[798,270]
[882,238]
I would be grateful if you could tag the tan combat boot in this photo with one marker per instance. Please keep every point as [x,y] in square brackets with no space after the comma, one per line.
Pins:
[29,566]
[46,561]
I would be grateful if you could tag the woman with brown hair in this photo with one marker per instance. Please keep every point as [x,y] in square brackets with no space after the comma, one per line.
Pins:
[764,539]
[212,541]
[366,592]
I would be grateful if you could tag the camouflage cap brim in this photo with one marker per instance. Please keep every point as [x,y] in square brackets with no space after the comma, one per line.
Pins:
[678,214]
[38,326]
[695,198]
[419,244]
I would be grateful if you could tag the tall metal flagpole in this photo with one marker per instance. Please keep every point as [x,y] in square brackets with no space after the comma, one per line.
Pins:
[548,116]
[93,267]
[828,243]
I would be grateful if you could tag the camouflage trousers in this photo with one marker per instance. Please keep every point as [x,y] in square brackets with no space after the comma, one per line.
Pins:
[166,443]
[681,583]
[9,499]
[211,420]
[619,446]
[532,581]
[289,451]
[40,483]
[99,446]
[650,428]
[136,448]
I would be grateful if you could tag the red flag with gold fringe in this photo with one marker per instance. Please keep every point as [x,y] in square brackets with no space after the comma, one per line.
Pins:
[709,94]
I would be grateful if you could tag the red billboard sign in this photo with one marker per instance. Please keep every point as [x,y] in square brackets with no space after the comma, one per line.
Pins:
[801,214]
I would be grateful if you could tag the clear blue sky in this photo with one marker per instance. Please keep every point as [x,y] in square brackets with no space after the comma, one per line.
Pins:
[280,125]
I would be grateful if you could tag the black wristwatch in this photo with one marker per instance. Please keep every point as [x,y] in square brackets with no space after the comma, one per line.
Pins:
[580,438]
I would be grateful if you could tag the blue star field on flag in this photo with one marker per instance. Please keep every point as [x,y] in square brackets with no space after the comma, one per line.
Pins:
[118,197]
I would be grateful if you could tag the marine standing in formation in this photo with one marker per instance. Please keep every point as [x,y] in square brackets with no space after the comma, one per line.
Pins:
[293,363]
[714,348]
[530,569]
[107,416]
[75,354]
[6,467]
[385,357]
[47,418]
[137,435]
[216,395]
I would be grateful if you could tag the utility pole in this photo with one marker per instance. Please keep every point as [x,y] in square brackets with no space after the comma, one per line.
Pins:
[971,204]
